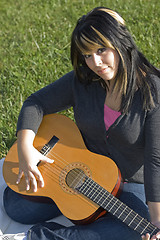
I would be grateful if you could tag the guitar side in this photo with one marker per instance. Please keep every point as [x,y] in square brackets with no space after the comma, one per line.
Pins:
[69,153]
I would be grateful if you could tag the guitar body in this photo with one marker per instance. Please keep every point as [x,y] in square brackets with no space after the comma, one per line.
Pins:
[70,155]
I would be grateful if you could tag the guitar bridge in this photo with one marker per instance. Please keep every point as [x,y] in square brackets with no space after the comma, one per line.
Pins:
[47,147]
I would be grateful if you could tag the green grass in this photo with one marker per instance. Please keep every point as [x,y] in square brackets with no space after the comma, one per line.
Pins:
[35,46]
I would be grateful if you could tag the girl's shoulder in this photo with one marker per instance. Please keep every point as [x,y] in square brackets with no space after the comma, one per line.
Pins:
[155,89]
[155,76]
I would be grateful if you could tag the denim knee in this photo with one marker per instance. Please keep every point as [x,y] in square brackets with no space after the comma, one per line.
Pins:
[27,212]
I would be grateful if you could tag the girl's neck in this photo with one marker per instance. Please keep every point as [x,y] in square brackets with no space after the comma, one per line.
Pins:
[113,99]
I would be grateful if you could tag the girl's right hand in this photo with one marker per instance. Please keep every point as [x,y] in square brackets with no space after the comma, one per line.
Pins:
[29,157]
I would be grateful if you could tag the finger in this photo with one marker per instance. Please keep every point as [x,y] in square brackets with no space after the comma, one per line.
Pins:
[153,237]
[27,184]
[158,235]
[46,159]
[33,182]
[145,237]
[30,181]
[39,177]
[20,174]
[27,180]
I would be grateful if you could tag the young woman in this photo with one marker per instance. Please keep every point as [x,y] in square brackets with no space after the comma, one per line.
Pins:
[114,92]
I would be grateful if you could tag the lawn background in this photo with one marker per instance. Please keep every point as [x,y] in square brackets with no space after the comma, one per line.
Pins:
[35,46]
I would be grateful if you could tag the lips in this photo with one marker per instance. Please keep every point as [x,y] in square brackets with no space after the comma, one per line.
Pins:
[102,70]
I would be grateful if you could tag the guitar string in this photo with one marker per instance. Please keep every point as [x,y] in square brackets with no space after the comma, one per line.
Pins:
[73,173]
[63,161]
[128,209]
[56,179]
[119,208]
[129,213]
[143,224]
[60,159]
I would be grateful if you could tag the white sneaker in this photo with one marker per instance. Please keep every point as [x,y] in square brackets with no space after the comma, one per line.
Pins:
[19,236]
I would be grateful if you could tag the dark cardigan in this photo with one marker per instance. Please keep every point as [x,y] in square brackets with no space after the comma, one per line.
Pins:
[133,140]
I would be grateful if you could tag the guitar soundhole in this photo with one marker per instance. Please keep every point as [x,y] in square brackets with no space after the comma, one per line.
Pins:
[68,173]
[75,178]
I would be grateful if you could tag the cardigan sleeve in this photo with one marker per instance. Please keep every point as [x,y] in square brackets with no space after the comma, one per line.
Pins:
[152,153]
[51,99]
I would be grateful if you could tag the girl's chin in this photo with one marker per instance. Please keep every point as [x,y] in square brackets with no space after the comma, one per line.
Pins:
[107,78]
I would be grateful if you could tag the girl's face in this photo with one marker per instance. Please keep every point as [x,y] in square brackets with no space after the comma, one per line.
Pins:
[104,62]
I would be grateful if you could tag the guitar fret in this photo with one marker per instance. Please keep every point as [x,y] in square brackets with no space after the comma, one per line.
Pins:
[102,197]
[98,189]
[74,175]
[122,212]
[94,189]
[105,199]
[145,228]
[87,186]
[152,229]
[109,202]
[113,205]
[90,189]
[138,224]
[97,196]
[117,208]
[155,230]
[114,213]
[127,216]
[133,219]
[84,185]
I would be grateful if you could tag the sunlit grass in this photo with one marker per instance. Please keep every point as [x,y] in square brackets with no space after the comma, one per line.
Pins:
[35,46]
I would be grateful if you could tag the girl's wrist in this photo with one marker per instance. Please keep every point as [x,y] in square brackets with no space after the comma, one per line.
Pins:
[25,138]
[154,210]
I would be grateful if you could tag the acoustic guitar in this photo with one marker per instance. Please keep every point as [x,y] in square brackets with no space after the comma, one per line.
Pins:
[84,185]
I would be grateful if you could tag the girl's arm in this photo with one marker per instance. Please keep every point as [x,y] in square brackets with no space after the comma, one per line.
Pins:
[28,160]
[154,209]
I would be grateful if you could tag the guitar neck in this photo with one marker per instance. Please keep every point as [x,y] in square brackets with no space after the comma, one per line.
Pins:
[107,201]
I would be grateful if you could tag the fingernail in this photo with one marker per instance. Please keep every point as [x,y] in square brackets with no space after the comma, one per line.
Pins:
[51,161]
[42,185]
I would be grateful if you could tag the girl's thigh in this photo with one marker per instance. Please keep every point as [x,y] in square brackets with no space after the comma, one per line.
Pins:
[28,212]
[105,228]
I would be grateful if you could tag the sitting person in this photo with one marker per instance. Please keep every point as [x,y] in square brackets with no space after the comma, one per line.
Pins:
[114,92]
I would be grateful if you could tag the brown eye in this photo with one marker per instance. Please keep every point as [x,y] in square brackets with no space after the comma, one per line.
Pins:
[101,50]
[86,56]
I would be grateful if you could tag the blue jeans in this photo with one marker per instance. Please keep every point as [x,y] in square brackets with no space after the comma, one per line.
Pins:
[107,227]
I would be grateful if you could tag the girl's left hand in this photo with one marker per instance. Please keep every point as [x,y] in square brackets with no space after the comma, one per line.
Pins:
[155,237]
[147,237]
[154,210]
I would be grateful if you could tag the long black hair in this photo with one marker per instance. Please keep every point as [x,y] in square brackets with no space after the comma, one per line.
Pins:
[104,27]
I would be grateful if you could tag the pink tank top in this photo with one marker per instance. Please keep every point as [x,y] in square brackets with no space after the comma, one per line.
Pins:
[110,116]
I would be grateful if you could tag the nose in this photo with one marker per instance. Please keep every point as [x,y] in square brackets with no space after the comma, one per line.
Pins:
[97,59]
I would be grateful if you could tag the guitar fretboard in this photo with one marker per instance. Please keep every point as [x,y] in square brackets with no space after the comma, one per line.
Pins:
[107,201]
